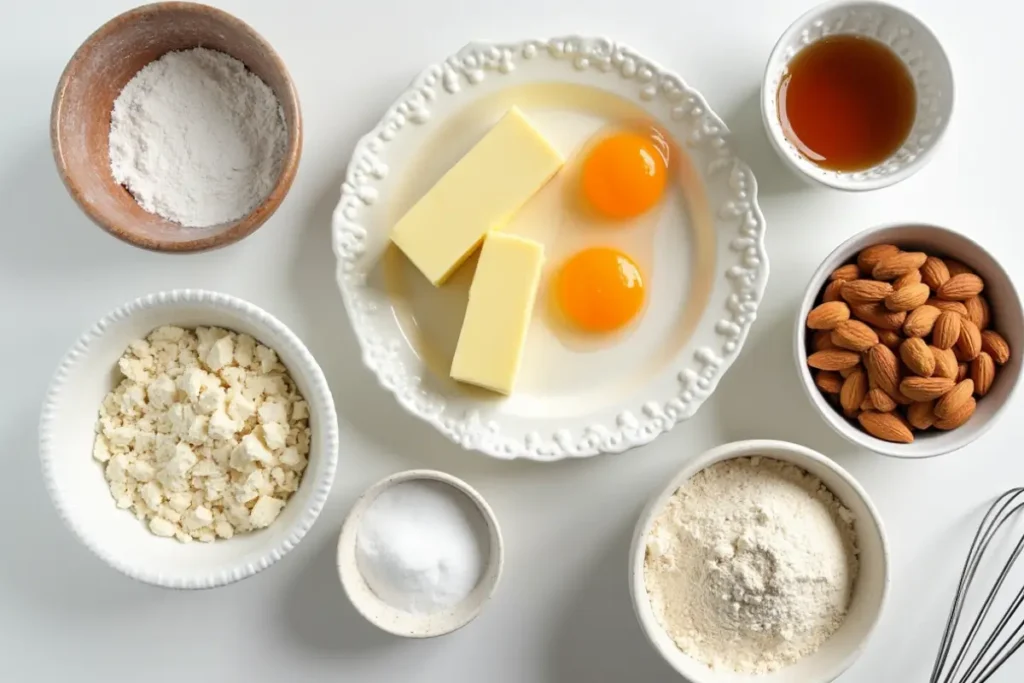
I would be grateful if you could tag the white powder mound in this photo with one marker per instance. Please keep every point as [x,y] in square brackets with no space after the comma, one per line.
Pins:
[751,564]
[197,138]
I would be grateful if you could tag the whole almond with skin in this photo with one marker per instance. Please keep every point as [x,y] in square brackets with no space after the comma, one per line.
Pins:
[960,287]
[983,373]
[898,265]
[956,267]
[855,388]
[962,370]
[829,382]
[945,363]
[881,401]
[917,357]
[952,306]
[833,359]
[883,369]
[846,372]
[978,311]
[877,315]
[934,272]
[908,298]
[920,321]
[886,426]
[960,417]
[994,345]
[969,343]
[911,278]
[832,291]
[921,414]
[866,404]
[947,330]
[889,338]
[822,340]
[848,272]
[864,291]
[869,257]
[954,399]
[925,388]
[854,335]
[826,316]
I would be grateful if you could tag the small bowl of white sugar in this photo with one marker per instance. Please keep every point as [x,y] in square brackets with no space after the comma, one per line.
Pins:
[176,127]
[420,554]
[760,561]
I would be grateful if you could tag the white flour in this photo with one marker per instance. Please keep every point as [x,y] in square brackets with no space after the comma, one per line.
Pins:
[196,138]
[750,565]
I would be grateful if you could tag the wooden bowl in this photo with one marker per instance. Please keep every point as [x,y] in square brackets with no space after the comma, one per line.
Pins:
[95,76]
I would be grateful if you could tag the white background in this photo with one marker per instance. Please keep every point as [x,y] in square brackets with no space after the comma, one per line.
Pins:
[562,612]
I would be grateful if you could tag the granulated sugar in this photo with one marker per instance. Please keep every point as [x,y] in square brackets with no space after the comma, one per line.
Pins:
[197,138]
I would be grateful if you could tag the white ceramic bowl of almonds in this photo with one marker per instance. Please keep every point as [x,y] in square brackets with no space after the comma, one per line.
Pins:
[76,481]
[992,382]
[867,598]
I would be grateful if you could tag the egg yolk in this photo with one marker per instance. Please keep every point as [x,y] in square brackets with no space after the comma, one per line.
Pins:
[623,175]
[600,289]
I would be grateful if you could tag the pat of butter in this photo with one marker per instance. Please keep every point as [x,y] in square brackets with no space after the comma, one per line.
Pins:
[498,315]
[478,194]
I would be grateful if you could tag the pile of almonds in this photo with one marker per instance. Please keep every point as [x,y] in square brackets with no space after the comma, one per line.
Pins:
[902,342]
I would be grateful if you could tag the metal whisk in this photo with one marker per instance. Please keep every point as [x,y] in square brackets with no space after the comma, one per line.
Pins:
[1003,638]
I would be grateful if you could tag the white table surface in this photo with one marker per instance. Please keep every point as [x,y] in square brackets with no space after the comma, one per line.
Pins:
[562,613]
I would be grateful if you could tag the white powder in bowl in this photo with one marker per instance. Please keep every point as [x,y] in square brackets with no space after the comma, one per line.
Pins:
[197,138]
[751,565]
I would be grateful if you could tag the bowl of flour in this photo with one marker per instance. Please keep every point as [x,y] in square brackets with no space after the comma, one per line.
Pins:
[177,128]
[761,560]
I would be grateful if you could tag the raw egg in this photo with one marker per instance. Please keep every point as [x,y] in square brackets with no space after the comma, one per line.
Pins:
[600,289]
[623,175]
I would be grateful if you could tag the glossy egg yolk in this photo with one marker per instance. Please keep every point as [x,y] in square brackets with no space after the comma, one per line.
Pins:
[623,175]
[600,289]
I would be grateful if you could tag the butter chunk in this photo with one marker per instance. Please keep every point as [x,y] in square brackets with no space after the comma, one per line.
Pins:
[478,194]
[498,315]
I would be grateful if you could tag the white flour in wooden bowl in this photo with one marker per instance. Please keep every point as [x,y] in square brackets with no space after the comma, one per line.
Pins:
[751,565]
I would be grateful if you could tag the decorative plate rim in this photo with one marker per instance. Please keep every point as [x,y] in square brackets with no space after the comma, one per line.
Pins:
[746,277]
[321,403]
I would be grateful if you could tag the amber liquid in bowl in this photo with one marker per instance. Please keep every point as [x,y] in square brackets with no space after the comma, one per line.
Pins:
[847,102]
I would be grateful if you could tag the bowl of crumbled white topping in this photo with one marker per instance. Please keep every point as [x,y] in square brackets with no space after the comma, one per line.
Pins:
[189,439]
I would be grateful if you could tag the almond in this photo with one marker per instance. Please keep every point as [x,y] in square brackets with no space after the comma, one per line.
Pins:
[832,291]
[945,363]
[865,291]
[917,357]
[829,382]
[956,268]
[855,388]
[826,316]
[846,372]
[881,401]
[866,404]
[954,399]
[953,306]
[921,414]
[934,272]
[978,311]
[947,330]
[854,335]
[848,272]
[897,265]
[869,257]
[886,426]
[960,287]
[960,417]
[889,338]
[877,315]
[911,278]
[920,321]
[833,359]
[994,345]
[908,298]
[925,388]
[962,370]
[983,373]
[969,343]
[883,369]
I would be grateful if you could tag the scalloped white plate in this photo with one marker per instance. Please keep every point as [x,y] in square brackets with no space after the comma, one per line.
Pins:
[703,252]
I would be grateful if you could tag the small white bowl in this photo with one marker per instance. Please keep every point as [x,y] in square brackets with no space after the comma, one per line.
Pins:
[912,42]
[76,482]
[867,599]
[1007,316]
[399,622]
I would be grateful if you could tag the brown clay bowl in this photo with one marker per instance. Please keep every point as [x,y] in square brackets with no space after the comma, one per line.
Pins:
[95,76]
